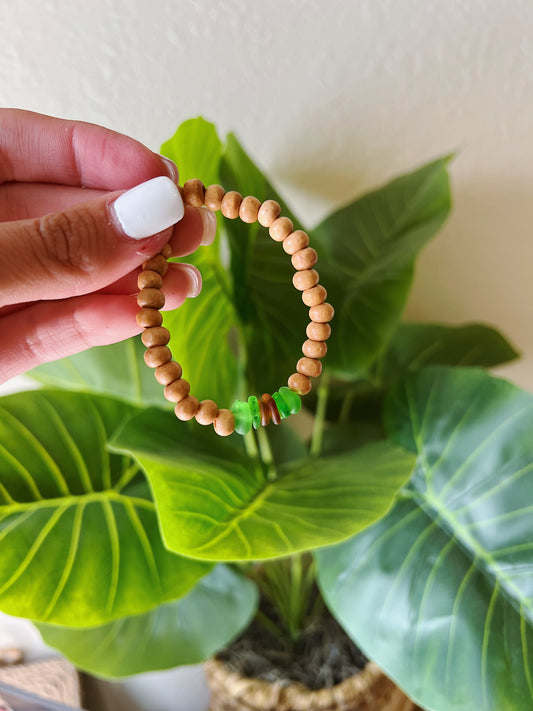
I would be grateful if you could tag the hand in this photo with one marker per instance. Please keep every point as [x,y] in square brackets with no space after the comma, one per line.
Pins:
[68,270]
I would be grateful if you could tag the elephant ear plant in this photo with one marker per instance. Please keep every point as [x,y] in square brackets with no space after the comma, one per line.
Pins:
[134,541]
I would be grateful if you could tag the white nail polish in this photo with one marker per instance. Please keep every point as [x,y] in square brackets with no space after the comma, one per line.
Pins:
[194,278]
[148,208]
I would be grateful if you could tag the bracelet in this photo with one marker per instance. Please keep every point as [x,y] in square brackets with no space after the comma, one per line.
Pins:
[255,412]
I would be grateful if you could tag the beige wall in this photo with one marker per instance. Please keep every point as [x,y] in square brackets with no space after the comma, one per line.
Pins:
[331,97]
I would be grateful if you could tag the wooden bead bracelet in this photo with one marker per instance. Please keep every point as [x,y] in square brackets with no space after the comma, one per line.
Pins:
[255,412]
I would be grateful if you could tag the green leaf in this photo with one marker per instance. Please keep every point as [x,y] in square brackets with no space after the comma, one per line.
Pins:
[272,316]
[203,328]
[185,631]
[217,504]
[449,571]
[117,370]
[79,538]
[367,251]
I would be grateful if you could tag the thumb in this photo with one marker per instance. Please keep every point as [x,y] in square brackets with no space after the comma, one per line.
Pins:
[86,246]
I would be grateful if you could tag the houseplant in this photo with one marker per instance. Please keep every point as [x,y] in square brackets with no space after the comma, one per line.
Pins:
[136,542]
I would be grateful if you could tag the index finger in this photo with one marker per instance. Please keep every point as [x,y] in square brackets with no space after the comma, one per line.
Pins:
[42,149]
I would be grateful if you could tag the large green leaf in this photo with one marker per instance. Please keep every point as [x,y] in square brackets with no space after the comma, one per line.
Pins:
[449,571]
[271,313]
[217,504]
[202,328]
[79,538]
[185,631]
[117,370]
[367,253]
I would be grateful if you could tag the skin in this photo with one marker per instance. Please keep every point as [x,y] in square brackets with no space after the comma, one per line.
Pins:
[68,275]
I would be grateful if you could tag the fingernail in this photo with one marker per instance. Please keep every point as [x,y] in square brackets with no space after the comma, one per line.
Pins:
[148,208]
[210,226]
[194,278]
[171,168]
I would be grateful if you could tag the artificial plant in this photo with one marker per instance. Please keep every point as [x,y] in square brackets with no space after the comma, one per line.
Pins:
[129,538]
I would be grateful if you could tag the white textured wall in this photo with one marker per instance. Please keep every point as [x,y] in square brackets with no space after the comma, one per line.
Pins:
[331,97]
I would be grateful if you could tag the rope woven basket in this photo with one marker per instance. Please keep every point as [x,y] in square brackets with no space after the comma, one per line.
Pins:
[53,679]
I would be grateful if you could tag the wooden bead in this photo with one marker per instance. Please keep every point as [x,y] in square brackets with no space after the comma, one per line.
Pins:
[156,336]
[177,390]
[157,264]
[321,313]
[224,423]
[280,228]
[296,241]
[269,211]
[213,197]
[207,412]
[167,373]
[318,331]
[249,209]
[157,355]
[299,383]
[151,298]
[310,367]
[148,279]
[314,349]
[166,252]
[147,318]
[305,279]
[230,205]
[194,193]
[314,296]
[187,408]
[304,259]
[264,411]
[271,404]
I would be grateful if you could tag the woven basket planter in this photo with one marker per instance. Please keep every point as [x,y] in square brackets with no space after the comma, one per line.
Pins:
[370,690]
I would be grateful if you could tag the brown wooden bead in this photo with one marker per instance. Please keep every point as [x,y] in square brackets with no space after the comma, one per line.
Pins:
[299,383]
[280,228]
[305,279]
[147,318]
[182,194]
[314,296]
[157,264]
[271,404]
[224,423]
[151,298]
[157,355]
[168,372]
[194,193]
[318,331]
[148,279]
[264,411]
[187,408]
[166,252]
[310,367]
[314,349]
[249,209]
[304,259]
[230,205]
[322,313]
[207,412]
[213,197]
[268,212]
[156,336]
[177,390]
[296,241]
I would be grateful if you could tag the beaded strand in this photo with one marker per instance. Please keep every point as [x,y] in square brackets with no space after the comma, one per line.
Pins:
[255,412]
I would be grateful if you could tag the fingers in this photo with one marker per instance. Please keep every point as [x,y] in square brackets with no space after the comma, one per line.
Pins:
[179,279]
[41,149]
[85,248]
[46,331]
[23,201]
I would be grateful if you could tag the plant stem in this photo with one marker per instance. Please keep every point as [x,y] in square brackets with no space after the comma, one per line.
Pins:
[346,406]
[267,457]
[320,415]
[250,445]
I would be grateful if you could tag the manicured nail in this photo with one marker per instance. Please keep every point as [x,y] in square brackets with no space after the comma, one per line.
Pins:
[171,168]
[148,208]
[210,226]
[194,278]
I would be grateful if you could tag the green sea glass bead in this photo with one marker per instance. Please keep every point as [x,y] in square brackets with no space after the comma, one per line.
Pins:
[243,417]
[253,404]
[283,409]
[292,399]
